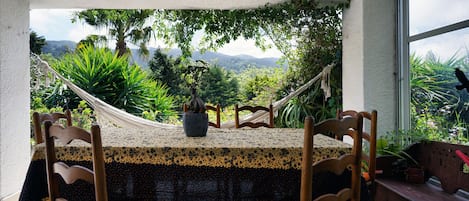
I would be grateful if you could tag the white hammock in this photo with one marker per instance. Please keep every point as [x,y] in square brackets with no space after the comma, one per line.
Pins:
[107,114]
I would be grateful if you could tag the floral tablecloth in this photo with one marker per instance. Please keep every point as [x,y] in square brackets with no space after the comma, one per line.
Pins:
[276,148]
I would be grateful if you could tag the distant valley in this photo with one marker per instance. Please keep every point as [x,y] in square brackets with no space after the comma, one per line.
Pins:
[234,63]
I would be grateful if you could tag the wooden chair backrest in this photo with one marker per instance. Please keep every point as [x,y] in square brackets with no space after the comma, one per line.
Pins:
[217,113]
[334,165]
[369,136]
[217,110]
[40,118]
[254,109]
[70,174]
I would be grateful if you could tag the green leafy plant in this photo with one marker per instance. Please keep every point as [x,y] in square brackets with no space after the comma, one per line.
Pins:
[404,156]
[194,73]
[108,77]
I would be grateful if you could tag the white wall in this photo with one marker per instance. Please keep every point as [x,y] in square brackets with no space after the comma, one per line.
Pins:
[369,60]
[14,95]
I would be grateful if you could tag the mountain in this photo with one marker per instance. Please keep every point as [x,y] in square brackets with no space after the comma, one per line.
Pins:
[58,48]
[234,63]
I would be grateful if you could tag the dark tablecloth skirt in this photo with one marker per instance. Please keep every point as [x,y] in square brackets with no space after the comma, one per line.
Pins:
[159,182]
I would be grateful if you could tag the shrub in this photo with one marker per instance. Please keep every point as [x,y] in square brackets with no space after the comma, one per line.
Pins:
[110,78]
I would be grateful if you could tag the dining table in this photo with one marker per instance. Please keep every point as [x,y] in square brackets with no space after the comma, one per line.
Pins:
[164,164]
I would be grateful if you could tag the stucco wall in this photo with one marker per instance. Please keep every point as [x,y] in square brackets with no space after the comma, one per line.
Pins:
[369,60]
[14,95]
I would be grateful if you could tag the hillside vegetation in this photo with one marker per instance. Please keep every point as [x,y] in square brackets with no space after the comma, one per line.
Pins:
[237,63]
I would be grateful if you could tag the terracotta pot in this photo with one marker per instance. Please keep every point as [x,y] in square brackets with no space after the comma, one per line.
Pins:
[415,175]
[195,124]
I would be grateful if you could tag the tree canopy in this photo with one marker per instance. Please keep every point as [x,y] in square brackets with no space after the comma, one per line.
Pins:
[122,25]
[309,37]
[36,42]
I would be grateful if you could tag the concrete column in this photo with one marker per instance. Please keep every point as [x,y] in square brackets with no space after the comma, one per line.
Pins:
[369,60]
[14,95]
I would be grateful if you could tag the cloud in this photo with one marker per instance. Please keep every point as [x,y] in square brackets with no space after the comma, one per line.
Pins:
[55,24]
[80,32]
[426,15]
[444,46]
[247,47]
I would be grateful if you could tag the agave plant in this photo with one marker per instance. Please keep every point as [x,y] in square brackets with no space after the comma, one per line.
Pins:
[193,76]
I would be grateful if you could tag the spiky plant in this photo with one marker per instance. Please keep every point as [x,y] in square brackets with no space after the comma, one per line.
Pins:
[193,76]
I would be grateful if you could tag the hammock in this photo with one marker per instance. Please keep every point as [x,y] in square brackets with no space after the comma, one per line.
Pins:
[107,114]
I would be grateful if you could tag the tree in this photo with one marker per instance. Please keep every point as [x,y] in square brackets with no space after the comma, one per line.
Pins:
[219,87]
[165,70]
[92,40]
[258,86]
[123,26]
[309,37]
[36,42]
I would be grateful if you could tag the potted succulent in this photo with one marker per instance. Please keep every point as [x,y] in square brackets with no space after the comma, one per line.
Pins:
[195,119]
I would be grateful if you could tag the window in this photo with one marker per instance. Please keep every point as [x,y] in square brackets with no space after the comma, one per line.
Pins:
[434,42]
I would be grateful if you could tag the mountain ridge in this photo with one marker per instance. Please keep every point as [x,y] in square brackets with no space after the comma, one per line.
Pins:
[236,63]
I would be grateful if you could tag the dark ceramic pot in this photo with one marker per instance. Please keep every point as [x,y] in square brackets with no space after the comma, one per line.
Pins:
[415,175]
[195,124]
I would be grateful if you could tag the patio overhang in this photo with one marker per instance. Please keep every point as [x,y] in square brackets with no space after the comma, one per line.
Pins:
[163,4]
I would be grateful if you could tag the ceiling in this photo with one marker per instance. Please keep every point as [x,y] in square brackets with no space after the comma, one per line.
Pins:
[161,4]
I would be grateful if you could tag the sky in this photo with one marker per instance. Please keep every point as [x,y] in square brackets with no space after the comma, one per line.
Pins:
[426,15]
[55,24]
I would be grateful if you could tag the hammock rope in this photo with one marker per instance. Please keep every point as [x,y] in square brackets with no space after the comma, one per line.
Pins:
[107,114]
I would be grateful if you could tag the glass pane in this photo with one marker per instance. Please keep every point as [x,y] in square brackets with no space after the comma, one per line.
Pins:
[440,111]
[444,46]
[425,15]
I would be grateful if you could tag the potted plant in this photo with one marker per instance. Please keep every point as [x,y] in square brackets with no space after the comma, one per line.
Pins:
[195,119]
[404,166]
[407,167]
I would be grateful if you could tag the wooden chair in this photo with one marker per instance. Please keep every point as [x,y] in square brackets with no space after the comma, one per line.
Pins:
[254,109]
[333,165]
[217,110]
[369,136]
[71,174]
[40,118]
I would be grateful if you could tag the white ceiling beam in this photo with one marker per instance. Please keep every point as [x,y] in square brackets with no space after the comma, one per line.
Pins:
[160,4]
[150,4]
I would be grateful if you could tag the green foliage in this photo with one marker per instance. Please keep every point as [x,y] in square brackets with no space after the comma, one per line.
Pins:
[398,141]
[82,116]
[309,37]
[36,42]
[319,44]
[438,109]
[395,144]
[432,82]
[162,105]
[193,74]
[297,108]
[166,70]
[92,40]
[258,86]
[59,48]
[46,90]
[280,22]
[123,25]
[109,78]
[219,87]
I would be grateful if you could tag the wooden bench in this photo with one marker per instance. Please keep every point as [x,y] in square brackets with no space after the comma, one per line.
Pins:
[439,161]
